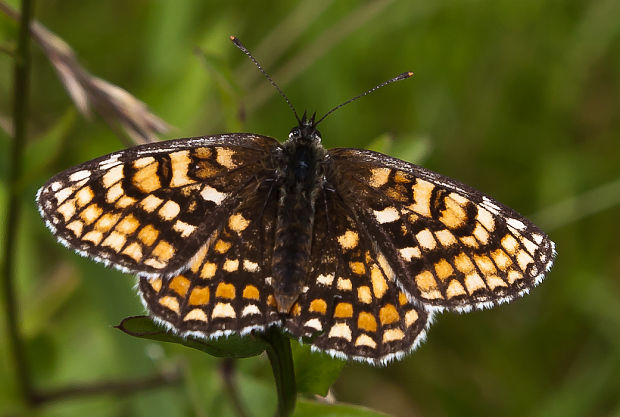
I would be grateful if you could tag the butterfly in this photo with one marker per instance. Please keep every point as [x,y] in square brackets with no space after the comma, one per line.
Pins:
[349,250]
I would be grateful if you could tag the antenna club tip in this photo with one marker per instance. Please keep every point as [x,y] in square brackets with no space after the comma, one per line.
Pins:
[237,43]
[409,74]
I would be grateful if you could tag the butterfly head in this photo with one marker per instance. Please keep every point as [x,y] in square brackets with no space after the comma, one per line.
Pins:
[306,131]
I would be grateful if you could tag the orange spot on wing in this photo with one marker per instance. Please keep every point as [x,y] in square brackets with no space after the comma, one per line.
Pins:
[208,270]
[134,251]
[180,285]
[225,290]
[164,251]
[427,285]
[199,296]
[443,269]
[155,284]
[251,292]
[148,234]
[146,179]
[221,246]
[128,224]
[170,303]
[402,298]
[271,301]
[364,295]
[400,177]
[388,314]
[295,310]
[318,306]
[343,310]
[366,321]
[357,268]
[91,213]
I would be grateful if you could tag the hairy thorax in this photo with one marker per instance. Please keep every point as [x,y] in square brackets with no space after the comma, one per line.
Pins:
[300,166]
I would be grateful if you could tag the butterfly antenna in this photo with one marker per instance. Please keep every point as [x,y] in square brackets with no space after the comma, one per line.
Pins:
[239,45]
[402,76]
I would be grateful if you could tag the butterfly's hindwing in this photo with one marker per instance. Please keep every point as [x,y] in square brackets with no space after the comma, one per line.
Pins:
[350,307]
[148,209]
[227,287]
[448,245]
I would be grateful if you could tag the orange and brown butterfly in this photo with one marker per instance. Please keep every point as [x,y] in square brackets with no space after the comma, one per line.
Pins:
[349,250]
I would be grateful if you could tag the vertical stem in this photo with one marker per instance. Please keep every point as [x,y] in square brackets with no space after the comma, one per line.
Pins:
[20,110]
[227,370]
[281,358]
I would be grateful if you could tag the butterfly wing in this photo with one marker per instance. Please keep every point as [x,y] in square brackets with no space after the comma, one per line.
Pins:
[227,287]
[445,244]
[148,209]
[350,307]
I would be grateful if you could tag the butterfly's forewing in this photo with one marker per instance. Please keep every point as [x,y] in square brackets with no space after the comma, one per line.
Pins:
[350,308]
[445,244]
[226,289]
[148,209]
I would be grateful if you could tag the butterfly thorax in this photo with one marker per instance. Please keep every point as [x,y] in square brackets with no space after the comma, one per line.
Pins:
[300,179]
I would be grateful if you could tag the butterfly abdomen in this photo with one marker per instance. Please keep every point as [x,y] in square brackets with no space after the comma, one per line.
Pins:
[300,183]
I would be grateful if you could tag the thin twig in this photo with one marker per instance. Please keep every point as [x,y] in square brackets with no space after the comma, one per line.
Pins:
[20,115]
[16,345]
[87,91]
[227,370]
[112,387]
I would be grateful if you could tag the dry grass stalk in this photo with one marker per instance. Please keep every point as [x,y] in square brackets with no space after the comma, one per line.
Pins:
[114,104]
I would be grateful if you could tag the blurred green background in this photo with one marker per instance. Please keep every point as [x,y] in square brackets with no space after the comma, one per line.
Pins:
[519,99]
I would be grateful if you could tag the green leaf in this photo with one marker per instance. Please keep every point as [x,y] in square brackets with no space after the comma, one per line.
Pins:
[410,147]
[308,408]
[315,372]
[382,143]
[232,346]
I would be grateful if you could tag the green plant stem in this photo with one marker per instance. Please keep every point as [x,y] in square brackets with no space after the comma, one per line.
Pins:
[20,113]
[227,370]
[122,387]
[281,358]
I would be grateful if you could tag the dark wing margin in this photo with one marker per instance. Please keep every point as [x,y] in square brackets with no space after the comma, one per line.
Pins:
[148,209]
[445,244]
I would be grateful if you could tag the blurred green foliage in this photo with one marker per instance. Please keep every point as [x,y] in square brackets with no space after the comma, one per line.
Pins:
[517,98]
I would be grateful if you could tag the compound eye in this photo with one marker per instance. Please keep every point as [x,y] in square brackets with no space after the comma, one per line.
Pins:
[296,132]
